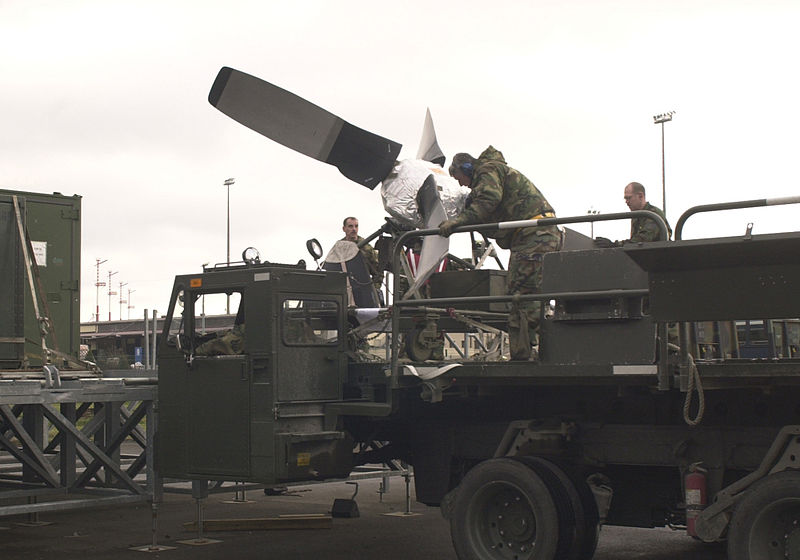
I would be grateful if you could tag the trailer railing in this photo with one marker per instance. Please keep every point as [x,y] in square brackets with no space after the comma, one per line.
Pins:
[730,206]
[399,305]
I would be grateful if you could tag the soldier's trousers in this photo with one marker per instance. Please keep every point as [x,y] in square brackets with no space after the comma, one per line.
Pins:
[525,277]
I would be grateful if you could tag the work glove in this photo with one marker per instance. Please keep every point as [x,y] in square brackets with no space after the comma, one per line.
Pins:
[603,242]
[446,227]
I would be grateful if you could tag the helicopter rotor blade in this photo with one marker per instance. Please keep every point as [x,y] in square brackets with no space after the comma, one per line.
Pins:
[288,119]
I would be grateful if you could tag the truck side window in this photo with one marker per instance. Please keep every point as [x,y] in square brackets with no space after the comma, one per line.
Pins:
[309,322]
[214,335]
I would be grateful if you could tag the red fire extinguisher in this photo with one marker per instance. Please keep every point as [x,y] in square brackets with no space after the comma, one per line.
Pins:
[696,498]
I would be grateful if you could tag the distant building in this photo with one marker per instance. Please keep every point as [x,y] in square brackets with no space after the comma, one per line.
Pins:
[114,344]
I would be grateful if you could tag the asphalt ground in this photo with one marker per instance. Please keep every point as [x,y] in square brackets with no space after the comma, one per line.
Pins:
[383,530]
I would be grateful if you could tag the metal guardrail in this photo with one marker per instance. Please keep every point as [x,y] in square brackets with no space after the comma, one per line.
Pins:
[499,226]
[730,206]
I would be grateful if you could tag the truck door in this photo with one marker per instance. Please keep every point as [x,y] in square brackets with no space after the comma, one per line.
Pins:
[309,349]
[218,433]
[218,394]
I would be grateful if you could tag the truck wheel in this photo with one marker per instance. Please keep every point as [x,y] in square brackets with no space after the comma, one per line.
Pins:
[766,521]
[578,518]
[504,510]
[591,517]
[568,506]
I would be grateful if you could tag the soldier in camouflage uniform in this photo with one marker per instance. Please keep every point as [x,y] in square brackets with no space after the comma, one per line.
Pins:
[501,194]
[224,344]
[350,229]
[642,229]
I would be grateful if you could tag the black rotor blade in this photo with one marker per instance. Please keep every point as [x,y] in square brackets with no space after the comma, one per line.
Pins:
[288,119]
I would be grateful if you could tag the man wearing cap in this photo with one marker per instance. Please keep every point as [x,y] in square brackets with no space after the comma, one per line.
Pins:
[502,194]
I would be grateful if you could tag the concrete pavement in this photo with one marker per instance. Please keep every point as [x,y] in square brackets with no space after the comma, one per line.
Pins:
[111,532]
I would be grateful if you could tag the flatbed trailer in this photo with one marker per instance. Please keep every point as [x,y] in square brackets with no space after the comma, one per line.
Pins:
[617,423]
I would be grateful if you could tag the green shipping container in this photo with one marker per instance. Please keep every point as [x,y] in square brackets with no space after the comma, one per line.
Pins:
[53,224]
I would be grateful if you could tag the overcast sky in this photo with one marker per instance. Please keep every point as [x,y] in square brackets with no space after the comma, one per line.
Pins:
[108,100]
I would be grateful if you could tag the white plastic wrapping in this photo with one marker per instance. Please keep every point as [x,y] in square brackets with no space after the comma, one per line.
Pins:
[399,191]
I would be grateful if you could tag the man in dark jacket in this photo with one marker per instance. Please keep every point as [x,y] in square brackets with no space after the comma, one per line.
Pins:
[350,229]
[642,229]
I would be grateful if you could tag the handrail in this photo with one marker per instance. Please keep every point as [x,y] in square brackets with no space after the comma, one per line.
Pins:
[731,206]
[541,222]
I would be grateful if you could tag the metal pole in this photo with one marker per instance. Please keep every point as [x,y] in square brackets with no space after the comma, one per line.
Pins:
[663,174]
[146,340]
[120,298]
[155,337]
[98,283]
[591,211]
[228,229]
[228,183]
[203,310]
[130,306]
[661,119]
[228,252]
[110,292]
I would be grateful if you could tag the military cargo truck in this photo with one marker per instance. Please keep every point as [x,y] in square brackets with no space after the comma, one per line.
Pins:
[617,423]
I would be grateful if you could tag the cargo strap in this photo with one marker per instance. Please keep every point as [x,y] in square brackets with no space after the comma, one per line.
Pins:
[32,272]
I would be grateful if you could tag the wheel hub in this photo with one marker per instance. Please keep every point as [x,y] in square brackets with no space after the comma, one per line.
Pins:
[511,524]
[515,522]
[792,542]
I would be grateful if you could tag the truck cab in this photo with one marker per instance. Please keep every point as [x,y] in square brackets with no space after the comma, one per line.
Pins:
[248,403]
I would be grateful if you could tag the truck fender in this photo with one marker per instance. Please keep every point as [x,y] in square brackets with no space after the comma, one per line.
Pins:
[783,454]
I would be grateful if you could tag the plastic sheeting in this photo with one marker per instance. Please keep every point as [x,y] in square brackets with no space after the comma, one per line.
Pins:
[399,191]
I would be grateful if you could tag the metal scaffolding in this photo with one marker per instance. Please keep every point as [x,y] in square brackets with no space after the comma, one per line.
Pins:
[76,444]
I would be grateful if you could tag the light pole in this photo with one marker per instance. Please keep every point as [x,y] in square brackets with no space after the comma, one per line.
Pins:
[130,306]
[592,212]
[98,284]
[661,119]
[110,292]
[228,183]
[203,308]
[121,298]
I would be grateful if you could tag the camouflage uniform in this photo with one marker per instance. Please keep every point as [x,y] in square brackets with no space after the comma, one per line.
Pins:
[644,229]
[501,194]
[224,344]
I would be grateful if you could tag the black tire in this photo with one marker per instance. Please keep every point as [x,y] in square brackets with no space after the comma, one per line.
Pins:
[766,521]
[591,517]
[579,506]
[568,506]
[504,511]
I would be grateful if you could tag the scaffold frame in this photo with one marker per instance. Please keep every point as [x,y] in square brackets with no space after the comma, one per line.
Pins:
[85,443]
